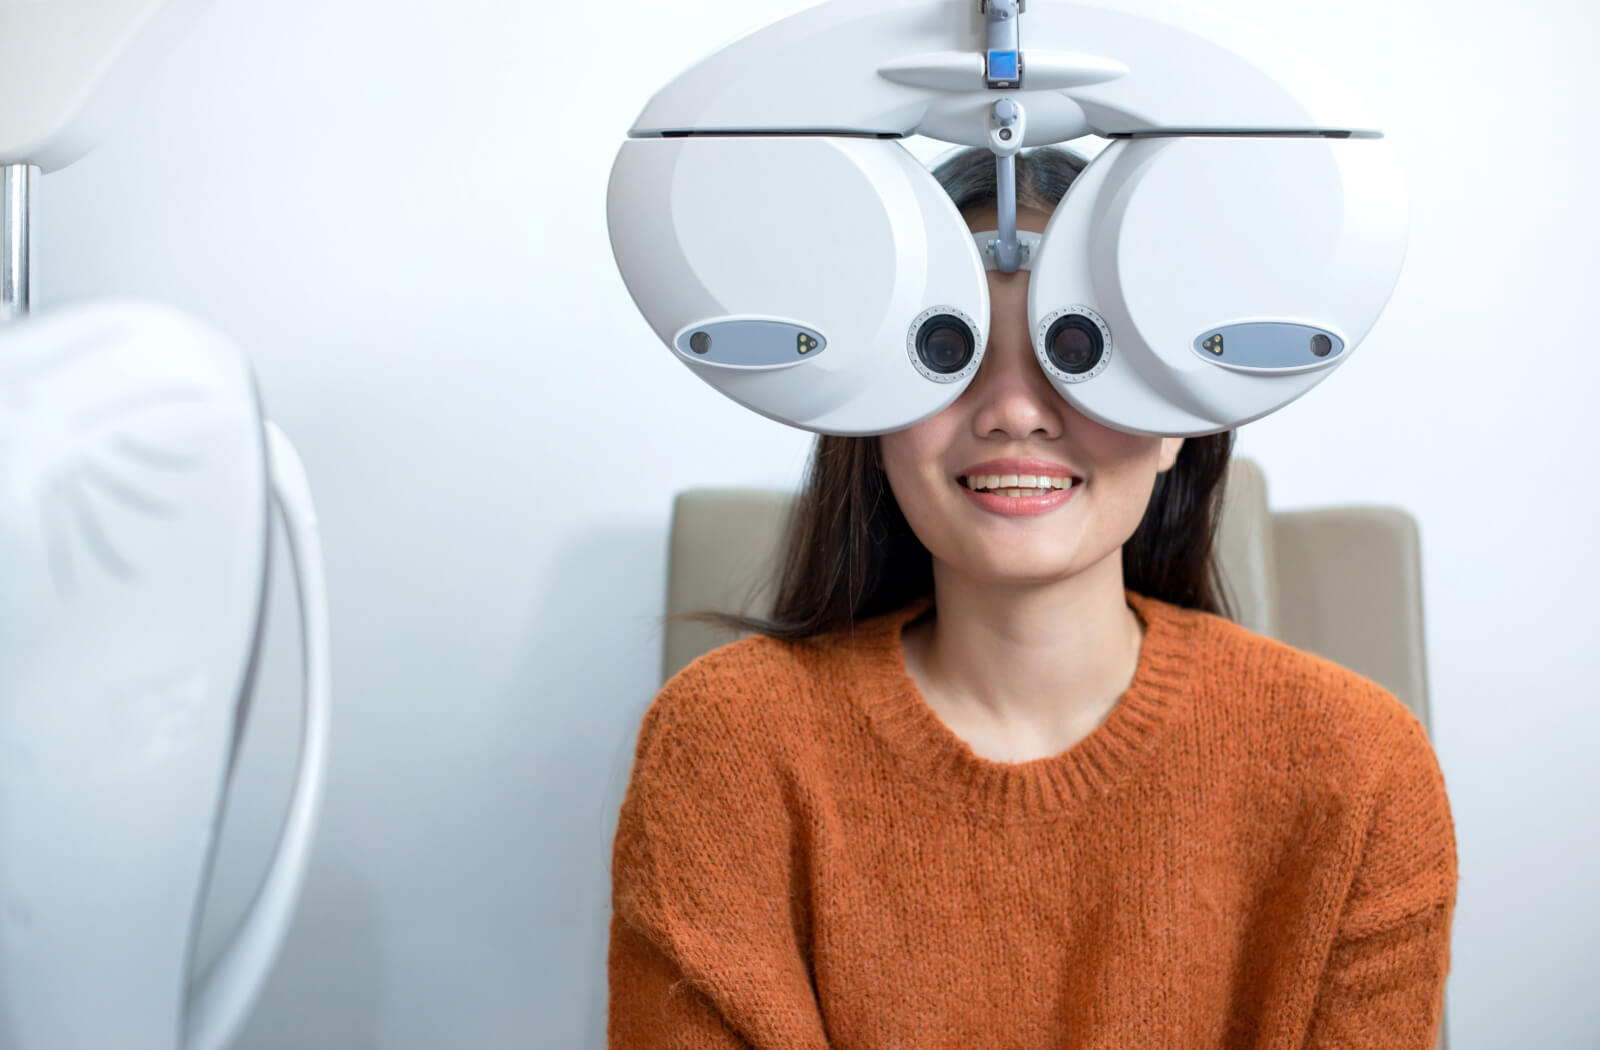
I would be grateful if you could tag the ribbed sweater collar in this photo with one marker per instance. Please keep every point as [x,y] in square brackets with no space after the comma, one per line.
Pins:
[1045,788]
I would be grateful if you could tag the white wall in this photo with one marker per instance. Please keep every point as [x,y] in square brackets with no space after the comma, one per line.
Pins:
[397,209]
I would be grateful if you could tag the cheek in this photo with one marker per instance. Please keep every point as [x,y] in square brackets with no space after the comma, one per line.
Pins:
[1127,486]
[1126,456]
[900,465]
[909,456]
[911,462]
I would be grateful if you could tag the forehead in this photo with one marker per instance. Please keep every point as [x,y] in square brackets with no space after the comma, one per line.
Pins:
[987,217]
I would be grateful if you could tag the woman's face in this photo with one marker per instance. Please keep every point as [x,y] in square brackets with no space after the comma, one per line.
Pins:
[1010,410]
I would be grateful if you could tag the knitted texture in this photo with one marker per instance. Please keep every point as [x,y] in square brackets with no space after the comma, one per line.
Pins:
[1253,849]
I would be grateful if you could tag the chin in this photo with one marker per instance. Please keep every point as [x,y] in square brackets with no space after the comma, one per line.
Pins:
[1023,572]
[1038,564]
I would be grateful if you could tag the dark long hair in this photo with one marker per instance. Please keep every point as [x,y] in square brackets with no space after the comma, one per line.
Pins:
[849,553]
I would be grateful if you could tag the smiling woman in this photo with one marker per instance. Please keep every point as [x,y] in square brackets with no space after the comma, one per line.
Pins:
[999,770]
[850,552]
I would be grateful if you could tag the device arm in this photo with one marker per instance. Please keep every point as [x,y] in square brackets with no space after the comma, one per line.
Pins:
[16,213]
[221,1001]
[1007,124]
[1003,55]
[896,67]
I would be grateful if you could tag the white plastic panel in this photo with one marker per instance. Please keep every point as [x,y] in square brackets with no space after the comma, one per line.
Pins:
[1168,239]
[68,67]
[818,70]
[850,238]
[133,531]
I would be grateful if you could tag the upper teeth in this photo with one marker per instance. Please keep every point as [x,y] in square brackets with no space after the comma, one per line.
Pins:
[1015,481]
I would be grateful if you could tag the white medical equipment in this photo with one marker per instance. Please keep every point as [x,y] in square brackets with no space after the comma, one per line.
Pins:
[137,480]
[1230,247]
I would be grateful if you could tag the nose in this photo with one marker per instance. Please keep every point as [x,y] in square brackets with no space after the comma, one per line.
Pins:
[1010,397]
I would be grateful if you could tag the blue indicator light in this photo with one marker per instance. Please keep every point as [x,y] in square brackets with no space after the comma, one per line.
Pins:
[1002,65]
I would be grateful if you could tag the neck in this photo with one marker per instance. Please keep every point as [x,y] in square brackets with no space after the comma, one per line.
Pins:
[1053,656]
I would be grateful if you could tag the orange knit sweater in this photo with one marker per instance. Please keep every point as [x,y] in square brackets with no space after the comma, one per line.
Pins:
[1253,849]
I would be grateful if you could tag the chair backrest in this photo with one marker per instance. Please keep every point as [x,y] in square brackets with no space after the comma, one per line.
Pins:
[1342,582]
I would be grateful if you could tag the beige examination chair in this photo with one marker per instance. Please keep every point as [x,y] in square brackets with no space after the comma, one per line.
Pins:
[1342,582]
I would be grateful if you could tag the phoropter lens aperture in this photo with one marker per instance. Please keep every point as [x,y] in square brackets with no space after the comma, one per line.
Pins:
[944,344]
[1074,344]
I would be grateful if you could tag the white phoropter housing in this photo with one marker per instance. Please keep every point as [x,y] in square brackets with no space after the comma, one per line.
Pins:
[137,484]
[137,480]
[1232,244]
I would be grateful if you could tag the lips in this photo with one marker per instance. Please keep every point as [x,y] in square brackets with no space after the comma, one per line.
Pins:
[1034,466]
[1022,506]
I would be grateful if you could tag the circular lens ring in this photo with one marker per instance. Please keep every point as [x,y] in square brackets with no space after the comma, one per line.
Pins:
[964,331]
[1085,345]
[945,344]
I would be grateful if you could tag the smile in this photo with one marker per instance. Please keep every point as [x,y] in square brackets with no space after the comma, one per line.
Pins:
[1015,484]
[1015,500]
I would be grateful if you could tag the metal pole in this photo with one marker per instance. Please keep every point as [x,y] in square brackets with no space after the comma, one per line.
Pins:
[16,215]
[1008,252]
[1002,63]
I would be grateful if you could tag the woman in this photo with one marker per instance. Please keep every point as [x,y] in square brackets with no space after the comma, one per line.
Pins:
[999,772]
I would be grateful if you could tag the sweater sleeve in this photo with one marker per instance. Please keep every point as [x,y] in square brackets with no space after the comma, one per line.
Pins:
[1383,984]
[707,946]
